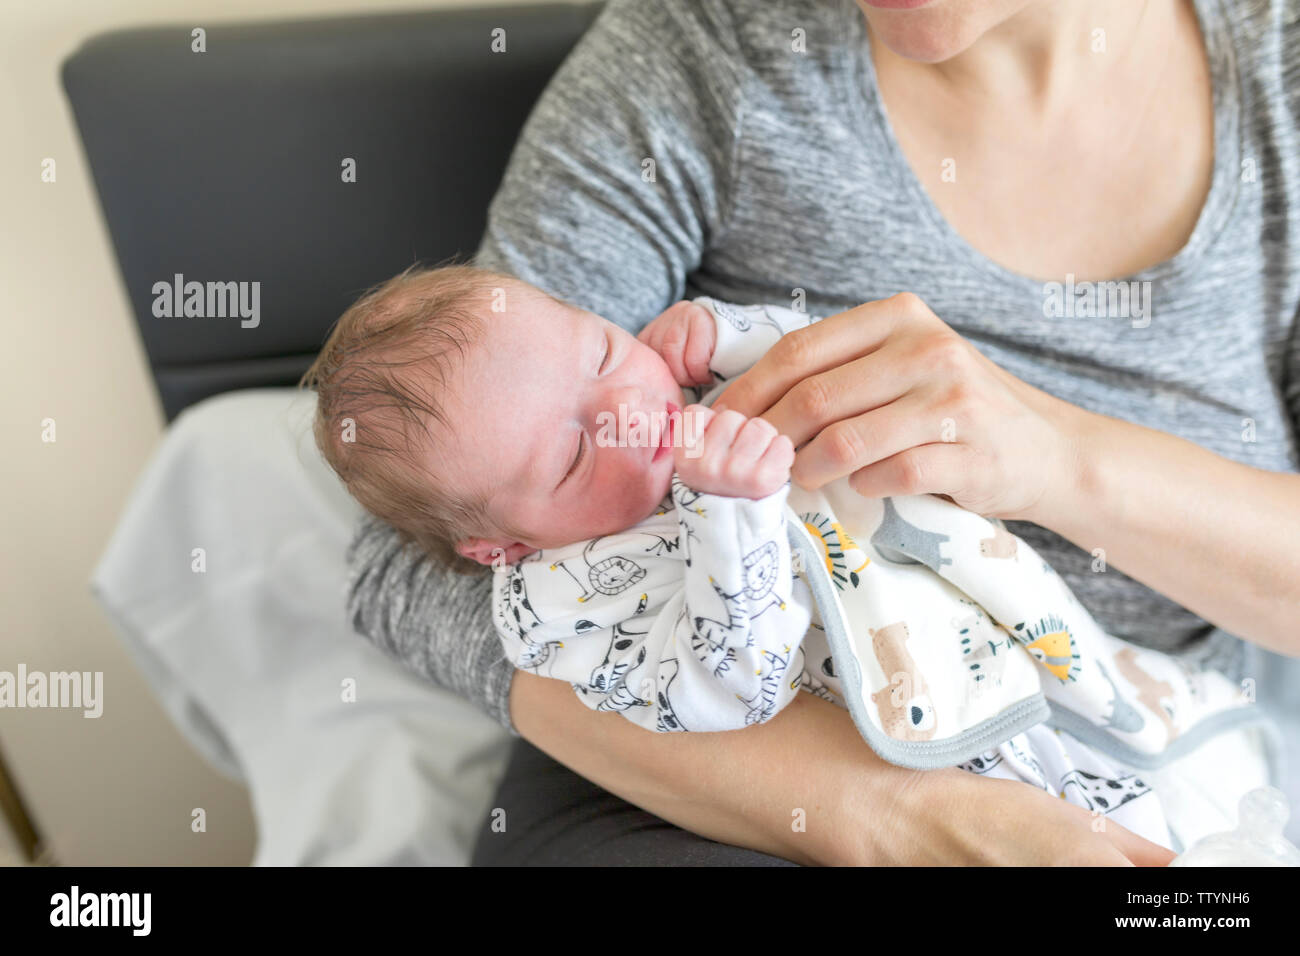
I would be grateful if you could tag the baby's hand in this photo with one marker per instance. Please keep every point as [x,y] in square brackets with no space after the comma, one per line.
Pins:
[685,336]
[725,453]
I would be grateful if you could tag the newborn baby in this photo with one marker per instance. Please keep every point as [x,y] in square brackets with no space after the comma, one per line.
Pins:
[639,540]
[486,442]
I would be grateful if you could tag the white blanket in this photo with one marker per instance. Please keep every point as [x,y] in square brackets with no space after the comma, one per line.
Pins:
[253,655]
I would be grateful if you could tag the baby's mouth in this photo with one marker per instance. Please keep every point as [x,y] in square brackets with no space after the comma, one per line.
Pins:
[666,433]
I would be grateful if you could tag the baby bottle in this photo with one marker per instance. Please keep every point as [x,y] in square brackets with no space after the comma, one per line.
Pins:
[1257,841]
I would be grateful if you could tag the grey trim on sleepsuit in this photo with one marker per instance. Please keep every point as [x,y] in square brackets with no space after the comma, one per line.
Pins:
[1089,733]
[919,755]
[777,171]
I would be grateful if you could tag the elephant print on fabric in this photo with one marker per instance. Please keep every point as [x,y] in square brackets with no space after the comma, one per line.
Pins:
[902,543]
[1152,693]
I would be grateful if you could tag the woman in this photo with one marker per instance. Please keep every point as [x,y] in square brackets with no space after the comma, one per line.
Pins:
[991,160]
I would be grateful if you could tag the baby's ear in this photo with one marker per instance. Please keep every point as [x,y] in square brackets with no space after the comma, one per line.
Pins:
[492,550]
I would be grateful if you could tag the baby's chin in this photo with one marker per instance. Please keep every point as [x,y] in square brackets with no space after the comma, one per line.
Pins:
[665,487]
[653,502]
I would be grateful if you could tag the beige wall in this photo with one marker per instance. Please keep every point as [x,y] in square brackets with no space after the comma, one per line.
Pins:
[102,791]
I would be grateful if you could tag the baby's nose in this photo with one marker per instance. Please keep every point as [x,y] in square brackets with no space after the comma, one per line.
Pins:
[625,398]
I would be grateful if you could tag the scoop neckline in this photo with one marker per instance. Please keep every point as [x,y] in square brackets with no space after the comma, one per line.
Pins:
[862,92]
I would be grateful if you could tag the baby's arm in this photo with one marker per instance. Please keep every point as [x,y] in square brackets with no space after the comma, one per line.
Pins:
[705,341]
[709,646]
[744,333]
[739,633]
[700,633]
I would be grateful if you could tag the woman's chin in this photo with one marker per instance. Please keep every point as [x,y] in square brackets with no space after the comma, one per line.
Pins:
[934,34]
[913,42]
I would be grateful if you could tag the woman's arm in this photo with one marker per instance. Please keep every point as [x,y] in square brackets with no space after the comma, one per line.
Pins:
[1217,536]
[614,189]
[806,787]
[740,787]
[890,395]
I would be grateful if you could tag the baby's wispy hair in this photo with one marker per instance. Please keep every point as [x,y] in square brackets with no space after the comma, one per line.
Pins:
[379,379]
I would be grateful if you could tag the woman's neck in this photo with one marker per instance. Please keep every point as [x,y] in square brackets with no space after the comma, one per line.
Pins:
[1039,57]
[1039,130]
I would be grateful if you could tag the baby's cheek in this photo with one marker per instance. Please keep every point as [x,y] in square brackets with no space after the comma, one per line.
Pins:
[619,503]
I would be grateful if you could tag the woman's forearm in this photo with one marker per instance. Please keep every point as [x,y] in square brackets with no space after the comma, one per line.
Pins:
[803,786]
[1217,536]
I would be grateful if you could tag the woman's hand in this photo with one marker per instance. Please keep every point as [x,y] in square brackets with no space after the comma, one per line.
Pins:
[888,394]
[956,818]
[893,397]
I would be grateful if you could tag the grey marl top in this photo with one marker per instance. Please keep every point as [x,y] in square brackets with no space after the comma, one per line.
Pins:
[776,170]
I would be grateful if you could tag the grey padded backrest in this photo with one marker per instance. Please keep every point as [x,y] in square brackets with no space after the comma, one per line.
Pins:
[226,166]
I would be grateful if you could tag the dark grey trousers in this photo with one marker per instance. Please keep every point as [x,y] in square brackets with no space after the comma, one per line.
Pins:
[554,817]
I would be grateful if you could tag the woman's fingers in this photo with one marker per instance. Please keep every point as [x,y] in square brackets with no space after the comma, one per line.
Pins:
[848,445]
[890,395]
[824,345]
[937,467]
[1119,846]
[974,820]
[838,393]
[1140,851]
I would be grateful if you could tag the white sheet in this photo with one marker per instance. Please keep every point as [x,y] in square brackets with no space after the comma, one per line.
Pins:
[249,656]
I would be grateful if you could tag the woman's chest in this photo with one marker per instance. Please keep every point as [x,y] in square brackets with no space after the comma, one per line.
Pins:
[1050,211]
[1105,175]
[1199,350]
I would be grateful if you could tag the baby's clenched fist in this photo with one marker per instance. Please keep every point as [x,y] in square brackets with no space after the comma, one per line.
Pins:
[730,455]
[685,337]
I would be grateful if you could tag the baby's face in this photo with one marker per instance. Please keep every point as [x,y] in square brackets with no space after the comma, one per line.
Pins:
[529,402]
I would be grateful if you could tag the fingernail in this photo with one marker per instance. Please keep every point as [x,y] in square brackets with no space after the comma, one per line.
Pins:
[719,407]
